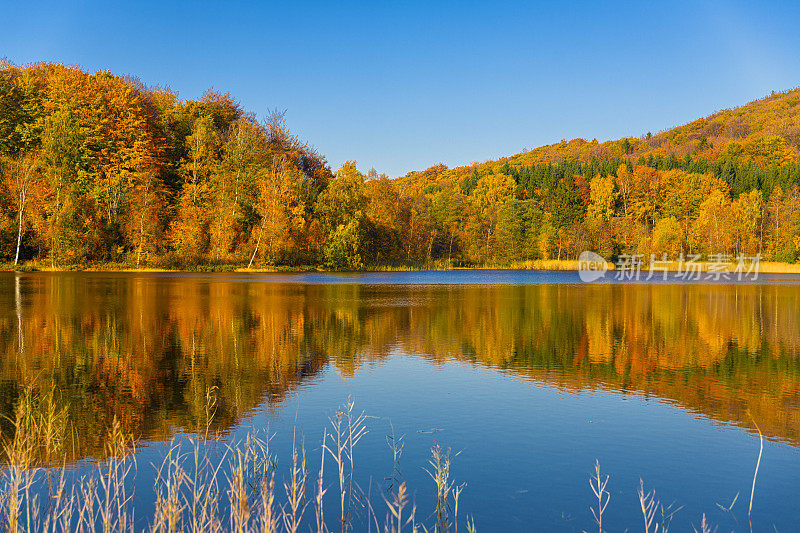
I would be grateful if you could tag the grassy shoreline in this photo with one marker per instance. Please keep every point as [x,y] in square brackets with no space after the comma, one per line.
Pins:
[765,267]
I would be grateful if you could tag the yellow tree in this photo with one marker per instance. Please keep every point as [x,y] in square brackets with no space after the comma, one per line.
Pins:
[624,185]
[383,212]
[189,231]
[341,207]
[129,144]
[603,197]
[711,232]
[146,221]
[281,208]
[489,196]
[747,214]
[62,155]
[202,146]
[684,195]
[234,184]
[646,194]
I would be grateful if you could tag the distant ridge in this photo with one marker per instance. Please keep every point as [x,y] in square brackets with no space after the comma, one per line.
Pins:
[765,131]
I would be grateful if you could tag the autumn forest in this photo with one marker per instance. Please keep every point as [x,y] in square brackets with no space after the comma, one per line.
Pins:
[100,170]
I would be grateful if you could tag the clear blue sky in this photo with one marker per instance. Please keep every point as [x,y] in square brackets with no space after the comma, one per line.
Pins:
[403,86]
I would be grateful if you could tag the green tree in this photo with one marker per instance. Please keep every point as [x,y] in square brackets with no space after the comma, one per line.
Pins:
[566,203]
[344,199]
[343,248]
[64,155]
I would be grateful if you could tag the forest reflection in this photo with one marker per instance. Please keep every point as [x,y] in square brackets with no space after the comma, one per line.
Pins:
[150,349]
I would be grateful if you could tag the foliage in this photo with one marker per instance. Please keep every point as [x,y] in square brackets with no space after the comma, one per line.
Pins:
[99,168]
[343,249]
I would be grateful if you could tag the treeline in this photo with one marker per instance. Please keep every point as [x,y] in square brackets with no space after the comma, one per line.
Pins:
[655,205]
[98,168]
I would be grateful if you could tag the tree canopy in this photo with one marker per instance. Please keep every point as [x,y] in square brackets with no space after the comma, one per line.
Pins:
[99,168]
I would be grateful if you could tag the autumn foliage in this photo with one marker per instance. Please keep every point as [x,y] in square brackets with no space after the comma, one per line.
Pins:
[98,168]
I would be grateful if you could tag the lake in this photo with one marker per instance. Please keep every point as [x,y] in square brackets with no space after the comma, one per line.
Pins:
[527,377]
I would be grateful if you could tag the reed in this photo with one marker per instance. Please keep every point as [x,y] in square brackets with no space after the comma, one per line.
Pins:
[203,485]
[598,485]
[210,485]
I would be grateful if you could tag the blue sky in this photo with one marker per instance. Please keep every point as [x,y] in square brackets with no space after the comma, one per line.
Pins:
[402,86]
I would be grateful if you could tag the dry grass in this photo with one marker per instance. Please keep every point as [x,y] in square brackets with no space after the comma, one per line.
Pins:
[764,267]
[204,485]
[656,517]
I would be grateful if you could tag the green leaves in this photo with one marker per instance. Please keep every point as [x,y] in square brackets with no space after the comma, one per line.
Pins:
[343,249]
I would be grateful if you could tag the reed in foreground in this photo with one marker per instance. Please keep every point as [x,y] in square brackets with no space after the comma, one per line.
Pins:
[206,485]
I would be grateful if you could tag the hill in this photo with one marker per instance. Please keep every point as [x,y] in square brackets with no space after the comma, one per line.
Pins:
[721,184]
[765,132]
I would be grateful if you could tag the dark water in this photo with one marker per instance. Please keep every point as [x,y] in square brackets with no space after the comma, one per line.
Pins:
[530,376]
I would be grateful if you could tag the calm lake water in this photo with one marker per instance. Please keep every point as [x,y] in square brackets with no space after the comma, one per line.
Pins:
[529,376]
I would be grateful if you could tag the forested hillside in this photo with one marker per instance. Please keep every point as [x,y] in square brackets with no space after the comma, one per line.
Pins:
[724,184]
[98,168]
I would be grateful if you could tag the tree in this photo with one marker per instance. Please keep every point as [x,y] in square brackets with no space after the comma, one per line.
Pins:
[711,230]
[489,196]
[685,193]
[343,247]
[667,237]
[189,230]
[281,208]
[384,209]
[624,185]
[603,197]
[19,175]
[518,229]
[747,223]
[424,231]
[566,203]
[20,110]
[646,194]
[63,155]
[146,223]
[449,209]
[202,145]
[344,199]
[234,184]
[242,153]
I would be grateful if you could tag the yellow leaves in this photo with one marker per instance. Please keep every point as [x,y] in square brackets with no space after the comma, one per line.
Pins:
[345,197]
[493,191]
[667,238]
[711,230]
[767,150]
[282,210]
[189,229]
[603,196]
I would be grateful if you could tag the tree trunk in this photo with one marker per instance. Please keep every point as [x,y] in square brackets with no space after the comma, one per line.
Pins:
[141,239]
[235,194]
[19,227]
[141,223]
[258,242]
[450,253]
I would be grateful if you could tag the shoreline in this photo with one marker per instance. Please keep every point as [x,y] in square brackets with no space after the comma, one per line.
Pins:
[764,267]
